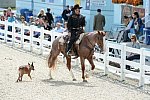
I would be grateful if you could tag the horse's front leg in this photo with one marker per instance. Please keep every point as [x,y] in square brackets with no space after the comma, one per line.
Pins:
[68,58]
[83,68]
[50,74]
[90,59]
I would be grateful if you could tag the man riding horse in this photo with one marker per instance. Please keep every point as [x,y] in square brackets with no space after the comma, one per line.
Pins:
[76,23]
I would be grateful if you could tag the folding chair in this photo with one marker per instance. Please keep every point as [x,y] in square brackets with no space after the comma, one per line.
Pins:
[118,38]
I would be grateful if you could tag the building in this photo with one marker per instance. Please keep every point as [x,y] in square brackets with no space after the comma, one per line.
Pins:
[7,3]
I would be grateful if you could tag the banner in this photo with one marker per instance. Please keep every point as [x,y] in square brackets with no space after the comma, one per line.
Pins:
[77,2]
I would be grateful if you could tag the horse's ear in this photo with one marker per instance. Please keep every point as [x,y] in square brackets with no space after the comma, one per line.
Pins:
[98,32]
[28,63]
[103,33]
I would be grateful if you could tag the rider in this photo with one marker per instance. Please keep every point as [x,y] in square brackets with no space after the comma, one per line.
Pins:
[76,23]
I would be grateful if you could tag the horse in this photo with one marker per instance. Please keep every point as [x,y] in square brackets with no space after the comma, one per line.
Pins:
[86,51]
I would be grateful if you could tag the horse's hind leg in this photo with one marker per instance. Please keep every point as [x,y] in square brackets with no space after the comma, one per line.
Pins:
[51,62]
[69,67]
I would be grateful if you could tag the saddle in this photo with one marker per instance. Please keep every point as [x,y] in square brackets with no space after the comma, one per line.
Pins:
[66,38]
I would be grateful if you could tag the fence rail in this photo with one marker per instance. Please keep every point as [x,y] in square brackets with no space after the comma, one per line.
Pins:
[12,34]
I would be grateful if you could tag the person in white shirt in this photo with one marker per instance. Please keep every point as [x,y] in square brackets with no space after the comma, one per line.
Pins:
[58,28]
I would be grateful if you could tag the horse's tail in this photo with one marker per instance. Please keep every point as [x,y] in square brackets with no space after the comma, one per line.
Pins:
[51,61]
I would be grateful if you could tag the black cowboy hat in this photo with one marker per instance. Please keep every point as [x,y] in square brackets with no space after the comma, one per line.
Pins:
[77,6]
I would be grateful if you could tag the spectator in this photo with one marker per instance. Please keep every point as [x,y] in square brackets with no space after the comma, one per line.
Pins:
[5,15]
[133,27]
[11,19]
[66,13]
[138,24]
[2,18]
[9,11]
[31,21]
[2,26]
[126,20]
[58,28]
[49,17]
[132,56]
[46,25]
[99,21]
[128,29]
[72,10]
[39,22]
[23,20]
[42,14]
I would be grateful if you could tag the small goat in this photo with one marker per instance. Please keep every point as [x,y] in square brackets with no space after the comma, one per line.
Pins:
[26,69]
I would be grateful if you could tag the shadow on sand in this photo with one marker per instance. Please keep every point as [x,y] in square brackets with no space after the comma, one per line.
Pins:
[62,83]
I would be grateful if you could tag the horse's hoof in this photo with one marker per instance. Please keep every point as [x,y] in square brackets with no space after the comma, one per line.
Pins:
[74,80]
[87,75]
[84,80]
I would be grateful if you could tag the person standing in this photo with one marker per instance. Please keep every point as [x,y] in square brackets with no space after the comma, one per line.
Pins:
[49,17]
[99,21]
[76,24]
[66,13]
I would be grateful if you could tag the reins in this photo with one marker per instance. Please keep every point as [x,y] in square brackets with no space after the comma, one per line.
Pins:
[88,47]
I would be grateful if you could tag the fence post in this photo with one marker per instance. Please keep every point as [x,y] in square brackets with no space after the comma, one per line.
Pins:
[13,34]
[41,42]
[6,29]
[123,59]
[105,58]
[77,61]
[31,37]
[22,34]
[52,36]
[142,63]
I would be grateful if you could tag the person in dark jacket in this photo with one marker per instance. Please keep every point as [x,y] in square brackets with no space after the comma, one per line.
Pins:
[76,23]
[66,13]
[49,17]
[99,21]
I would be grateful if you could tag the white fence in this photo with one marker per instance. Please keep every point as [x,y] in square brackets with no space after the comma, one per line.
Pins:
[24,35]
[20,36]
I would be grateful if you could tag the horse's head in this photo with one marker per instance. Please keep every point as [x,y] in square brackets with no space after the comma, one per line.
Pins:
[99,39]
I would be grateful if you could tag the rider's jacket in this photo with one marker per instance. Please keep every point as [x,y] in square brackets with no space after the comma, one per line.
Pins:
[76,22]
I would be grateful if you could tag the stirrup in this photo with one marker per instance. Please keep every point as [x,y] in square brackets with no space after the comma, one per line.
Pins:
[68,53]
[75,57]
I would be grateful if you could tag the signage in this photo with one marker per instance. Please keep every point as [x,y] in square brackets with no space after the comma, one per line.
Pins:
[87,5]
[98,3]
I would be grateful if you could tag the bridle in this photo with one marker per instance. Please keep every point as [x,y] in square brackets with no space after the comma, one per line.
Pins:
[91,48]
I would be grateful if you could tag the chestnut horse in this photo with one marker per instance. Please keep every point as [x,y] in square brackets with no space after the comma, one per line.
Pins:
[86,50]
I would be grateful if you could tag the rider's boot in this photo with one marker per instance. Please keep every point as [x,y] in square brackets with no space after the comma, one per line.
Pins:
[76,51]
[68,50]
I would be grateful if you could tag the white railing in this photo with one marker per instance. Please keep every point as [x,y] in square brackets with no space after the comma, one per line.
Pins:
[121,59]
[25,36]
[19,37]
